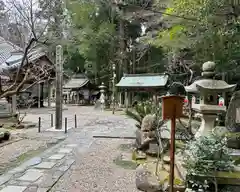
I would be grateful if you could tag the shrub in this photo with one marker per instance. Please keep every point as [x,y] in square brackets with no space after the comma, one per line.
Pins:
[205,156]
[141,110]
[6,135]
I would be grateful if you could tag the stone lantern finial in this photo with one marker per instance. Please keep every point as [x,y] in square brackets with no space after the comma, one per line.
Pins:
[208,69]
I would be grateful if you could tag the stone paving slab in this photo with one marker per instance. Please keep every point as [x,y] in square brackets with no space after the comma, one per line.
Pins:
[17,170]
[36,189]
[45,165]
[14,189]
[5,178]
[31,175]
[42,189]
[40,177]
[19,183]
[48,180]
[33,161]
[57,156]
[72,145]
[65,150]
[25,165]
[63,168]
[68,162]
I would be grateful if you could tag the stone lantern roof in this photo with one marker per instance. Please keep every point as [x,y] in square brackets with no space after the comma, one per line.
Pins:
[208,83]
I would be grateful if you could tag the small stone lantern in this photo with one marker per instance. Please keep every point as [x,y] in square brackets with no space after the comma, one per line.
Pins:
[208,88]
[102,88]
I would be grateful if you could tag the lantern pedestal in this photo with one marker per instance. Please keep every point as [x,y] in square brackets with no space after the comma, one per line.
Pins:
[207,125]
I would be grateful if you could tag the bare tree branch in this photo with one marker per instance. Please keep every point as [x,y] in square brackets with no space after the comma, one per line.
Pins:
[28,71]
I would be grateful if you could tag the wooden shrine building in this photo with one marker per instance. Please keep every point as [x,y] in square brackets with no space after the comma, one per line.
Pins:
[133,84]
[42,71]
[79,90]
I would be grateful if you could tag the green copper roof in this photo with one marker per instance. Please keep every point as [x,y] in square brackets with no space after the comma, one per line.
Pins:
[143,80]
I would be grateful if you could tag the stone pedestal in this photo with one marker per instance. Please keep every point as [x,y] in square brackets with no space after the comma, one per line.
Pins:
[207,125]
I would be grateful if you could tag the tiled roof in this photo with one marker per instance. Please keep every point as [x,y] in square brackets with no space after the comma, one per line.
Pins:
[76,82]
[11,55]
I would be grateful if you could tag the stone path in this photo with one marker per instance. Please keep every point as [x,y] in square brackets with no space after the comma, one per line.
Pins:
[79,158]
[39,174]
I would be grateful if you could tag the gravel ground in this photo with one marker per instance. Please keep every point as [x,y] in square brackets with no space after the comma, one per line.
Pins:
[12,151]
[94,171]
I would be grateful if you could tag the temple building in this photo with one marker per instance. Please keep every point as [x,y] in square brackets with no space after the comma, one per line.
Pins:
[79,90]
[11,57]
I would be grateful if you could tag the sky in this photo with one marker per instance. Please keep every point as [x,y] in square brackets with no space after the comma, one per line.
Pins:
[27,2]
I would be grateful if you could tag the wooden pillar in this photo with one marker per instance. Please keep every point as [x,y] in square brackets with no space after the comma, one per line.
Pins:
[77,97]
[120,98]
[42,95]
[39,95]
[68,97]
[129,99]
[126,100]
[49,94]
[155,98]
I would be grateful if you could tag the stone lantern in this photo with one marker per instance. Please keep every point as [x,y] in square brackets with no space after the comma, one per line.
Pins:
[208,88]
[102,88]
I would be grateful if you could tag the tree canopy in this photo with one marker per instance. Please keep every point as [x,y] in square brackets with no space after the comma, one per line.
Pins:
[208,30]
[92,33]
[179,36]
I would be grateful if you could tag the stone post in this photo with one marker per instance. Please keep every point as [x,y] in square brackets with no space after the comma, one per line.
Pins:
[14,104]
[59,55]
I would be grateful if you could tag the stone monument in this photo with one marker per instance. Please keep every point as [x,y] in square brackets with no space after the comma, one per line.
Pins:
[232,120]
[233,113]
[7,114]
[5,108]
[208,88]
